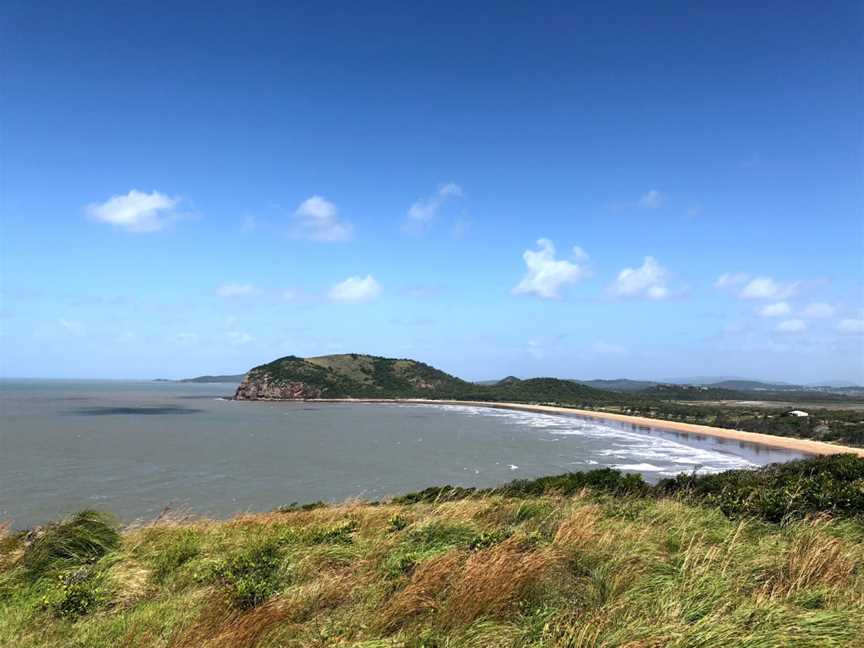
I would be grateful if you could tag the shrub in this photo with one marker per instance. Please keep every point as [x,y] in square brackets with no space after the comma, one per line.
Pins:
[80,540]
[397,523]
[252,576]
[77,594]
[487,539]
[833,484]
[338,533]
[605,480]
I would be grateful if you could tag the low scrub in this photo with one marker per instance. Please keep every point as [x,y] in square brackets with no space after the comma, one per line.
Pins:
[832,484]
[594,559]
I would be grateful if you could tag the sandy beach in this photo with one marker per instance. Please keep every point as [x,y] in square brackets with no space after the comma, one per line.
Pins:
[789,443]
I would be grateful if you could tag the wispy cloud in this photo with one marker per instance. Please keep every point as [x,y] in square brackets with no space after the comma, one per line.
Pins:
[819,310]
[650,280]
[136,211]
[778,309]
[236,290]
[728,279]
[239,338]
[317,219]
[356,289]
[792,326]
[851,325]
[653,199]
[422,212]
[73,327]
[546,276]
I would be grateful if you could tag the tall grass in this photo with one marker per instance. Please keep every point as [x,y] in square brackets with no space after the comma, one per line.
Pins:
[82,539]
[527,567]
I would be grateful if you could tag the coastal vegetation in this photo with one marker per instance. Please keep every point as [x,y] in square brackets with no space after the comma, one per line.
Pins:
[772,557]
[831,417]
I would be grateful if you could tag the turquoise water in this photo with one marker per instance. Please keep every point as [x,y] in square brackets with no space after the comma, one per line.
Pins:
[136,448]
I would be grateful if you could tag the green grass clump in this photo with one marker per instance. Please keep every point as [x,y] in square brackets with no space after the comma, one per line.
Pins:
[251,576]
[80,540]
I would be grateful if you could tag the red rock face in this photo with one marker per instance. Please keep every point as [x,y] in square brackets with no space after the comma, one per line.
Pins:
[261,388]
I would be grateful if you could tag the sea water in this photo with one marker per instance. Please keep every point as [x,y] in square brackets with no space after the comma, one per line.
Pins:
[137,448]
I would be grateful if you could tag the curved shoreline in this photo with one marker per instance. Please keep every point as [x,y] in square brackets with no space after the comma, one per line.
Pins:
[806,446]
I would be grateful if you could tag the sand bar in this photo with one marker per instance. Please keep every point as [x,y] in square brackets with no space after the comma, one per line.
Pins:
[789,443]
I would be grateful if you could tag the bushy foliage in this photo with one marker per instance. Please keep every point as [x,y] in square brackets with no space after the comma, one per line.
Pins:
[252,575]
[76,595]
[831,484]
[606,480]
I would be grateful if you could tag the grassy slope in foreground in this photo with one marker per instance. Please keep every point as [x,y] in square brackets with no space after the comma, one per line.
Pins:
[546,563]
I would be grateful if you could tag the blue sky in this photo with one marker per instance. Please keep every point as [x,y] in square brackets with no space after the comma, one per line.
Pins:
[529,189]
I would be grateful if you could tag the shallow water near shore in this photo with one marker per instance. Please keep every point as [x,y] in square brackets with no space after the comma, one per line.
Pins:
[135,448]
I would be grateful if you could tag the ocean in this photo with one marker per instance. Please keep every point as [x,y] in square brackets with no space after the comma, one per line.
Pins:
[139,448]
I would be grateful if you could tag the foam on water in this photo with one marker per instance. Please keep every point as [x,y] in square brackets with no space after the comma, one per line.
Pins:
[623,449]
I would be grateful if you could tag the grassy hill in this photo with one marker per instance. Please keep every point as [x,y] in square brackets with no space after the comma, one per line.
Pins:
[586,559]
[350,375]
[355,375]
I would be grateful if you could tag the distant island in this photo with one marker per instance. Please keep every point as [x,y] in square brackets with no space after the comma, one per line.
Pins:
[235,378]
[230,379]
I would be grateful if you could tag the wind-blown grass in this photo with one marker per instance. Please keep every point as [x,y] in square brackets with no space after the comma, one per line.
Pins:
[535,565]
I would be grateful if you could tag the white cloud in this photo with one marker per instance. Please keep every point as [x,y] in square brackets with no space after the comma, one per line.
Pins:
[137,211]
[851,325]
[792,326]
[236,290]
[547,276]
[819,310]
[422,212]
[652,200]
[728,279]
[767,288]
[355,289]
[775,310]
[317,219]
[648,280]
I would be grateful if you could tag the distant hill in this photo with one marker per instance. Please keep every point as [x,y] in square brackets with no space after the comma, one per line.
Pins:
[355,375]
[235,378]
[619,384]
[350,375]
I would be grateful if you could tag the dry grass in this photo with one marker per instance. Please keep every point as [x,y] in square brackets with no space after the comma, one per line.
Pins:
[421,594]
[131,582]
[492,581]
[812,559]
[579,529]
[221,626]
